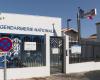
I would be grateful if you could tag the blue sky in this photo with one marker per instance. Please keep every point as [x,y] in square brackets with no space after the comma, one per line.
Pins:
[56,8]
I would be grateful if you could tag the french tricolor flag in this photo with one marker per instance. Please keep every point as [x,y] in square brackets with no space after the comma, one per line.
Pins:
[90,17]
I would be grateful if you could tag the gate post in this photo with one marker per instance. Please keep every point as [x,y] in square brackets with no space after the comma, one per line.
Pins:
[47,46]
[64,42]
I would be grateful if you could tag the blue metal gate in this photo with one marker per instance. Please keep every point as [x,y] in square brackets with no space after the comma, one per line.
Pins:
[56,55]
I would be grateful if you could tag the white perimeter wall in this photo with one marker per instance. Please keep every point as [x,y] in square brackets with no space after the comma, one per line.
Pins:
[82,67]
[23,73]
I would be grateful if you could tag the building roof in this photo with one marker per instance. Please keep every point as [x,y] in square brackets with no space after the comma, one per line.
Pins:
[98,23]
[69,30]
[93,36]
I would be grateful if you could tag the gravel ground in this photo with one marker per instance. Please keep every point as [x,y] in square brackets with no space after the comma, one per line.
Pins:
[93,75]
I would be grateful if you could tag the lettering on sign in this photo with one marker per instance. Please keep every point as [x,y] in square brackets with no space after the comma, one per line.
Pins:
[21,28]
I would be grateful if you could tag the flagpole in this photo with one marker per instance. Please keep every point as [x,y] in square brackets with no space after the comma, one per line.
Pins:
[79,26]
[81,15]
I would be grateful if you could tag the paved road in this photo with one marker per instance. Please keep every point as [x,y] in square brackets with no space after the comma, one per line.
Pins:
[93,75]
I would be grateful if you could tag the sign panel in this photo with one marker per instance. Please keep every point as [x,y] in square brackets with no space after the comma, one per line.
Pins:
[29,46]
[76,49]
[29,24]
[55,51]
[5,44]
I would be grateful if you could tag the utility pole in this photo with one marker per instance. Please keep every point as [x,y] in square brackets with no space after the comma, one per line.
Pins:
[79,26]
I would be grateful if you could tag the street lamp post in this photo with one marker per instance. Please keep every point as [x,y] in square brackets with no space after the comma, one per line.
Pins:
[68,20]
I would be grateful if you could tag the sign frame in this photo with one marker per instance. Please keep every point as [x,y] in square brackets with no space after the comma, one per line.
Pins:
[30,46]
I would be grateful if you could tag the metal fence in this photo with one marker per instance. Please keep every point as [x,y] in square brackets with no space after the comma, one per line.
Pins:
[90,51]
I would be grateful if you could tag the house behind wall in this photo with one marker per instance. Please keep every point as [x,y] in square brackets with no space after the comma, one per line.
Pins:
[73,34]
